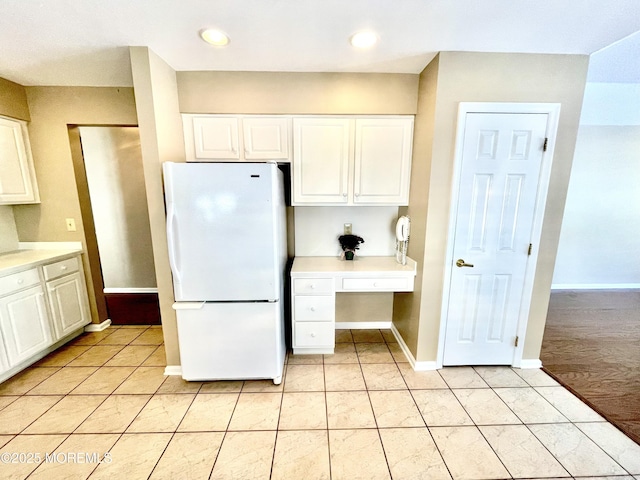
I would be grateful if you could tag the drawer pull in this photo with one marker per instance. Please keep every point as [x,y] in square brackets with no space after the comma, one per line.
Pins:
[375,284]
[20,281]
[312,286]
[313,334]
[313,309]
[64,267]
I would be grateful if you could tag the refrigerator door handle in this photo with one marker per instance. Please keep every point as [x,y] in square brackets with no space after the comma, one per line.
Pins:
[172,242]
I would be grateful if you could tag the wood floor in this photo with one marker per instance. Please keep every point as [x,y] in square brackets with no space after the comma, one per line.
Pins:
[592,346]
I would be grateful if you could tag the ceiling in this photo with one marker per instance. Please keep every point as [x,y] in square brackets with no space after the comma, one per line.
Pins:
[85,42]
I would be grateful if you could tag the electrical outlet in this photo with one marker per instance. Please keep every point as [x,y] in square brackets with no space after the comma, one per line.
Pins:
[347,229]
[71,224]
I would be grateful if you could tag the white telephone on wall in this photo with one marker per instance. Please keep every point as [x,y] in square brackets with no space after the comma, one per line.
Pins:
[403,227]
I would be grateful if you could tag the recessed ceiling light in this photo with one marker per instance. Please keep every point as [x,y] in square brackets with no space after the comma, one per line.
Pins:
[214,37]
[363,39]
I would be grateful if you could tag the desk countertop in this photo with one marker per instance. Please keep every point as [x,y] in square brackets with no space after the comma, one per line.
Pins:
[359,266]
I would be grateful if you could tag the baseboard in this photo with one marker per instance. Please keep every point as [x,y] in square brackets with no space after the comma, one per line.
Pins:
[98,327]
[417,366]
[173,370]
[50,245]
[362,325]
[595,286]
[38,356]
[134,307]
[530,363]
[131,290]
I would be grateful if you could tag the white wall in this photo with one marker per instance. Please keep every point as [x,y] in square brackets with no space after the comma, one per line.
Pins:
[317,230]
[8,231]
[599,245]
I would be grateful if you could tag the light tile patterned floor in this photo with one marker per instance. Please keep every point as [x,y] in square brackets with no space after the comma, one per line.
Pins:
[361,413]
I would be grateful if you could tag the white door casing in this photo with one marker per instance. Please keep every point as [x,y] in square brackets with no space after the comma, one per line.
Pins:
[500,184]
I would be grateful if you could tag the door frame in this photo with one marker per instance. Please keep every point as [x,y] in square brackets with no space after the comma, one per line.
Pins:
[553,110]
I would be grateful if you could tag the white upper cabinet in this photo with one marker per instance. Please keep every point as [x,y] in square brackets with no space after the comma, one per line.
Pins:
[216,137]
[236,137]
[351,160]
[266,138]
[17,175]
[382,163]
[321,159]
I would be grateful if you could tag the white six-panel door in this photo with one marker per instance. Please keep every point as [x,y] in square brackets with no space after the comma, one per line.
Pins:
[499,175]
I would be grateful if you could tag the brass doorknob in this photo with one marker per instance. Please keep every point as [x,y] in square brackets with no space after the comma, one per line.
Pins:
[461,263]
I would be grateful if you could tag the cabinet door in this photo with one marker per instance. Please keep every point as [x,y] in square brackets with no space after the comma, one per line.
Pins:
[383,161]
[266,138]
[17,178]
[321,151]
[4,363]
[68,302]
[25,324]
[216,137]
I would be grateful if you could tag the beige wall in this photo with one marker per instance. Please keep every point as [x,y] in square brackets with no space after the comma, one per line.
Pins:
[407,306]
[13,100]
[161,141]
[485,77]
[299,93]
[52,110]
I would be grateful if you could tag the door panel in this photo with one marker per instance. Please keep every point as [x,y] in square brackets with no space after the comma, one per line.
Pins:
[501,161]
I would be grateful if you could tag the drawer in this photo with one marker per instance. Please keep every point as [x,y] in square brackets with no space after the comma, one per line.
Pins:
[313,286]
[18,281]
[60,268]
[314,334]
[397,284]
[309,308]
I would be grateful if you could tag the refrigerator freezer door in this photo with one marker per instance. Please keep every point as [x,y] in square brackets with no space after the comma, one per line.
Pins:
[227,341]
[223,230]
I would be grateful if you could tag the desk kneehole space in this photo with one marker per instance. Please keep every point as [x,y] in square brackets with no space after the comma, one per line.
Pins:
[315,282]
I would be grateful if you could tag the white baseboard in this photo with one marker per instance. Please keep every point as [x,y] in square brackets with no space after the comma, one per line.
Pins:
[50,245]
[173,370]
[362,325]
[417,366]
[31,360]
[530,363]
[131,290]
[98,327]
[595,286]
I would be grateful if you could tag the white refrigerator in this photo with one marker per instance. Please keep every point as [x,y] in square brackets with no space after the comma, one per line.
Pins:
[226,234]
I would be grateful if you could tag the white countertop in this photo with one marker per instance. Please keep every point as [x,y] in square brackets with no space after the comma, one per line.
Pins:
[18,260]
[360,265]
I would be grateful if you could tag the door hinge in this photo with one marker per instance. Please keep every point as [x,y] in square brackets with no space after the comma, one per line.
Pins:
[546,143]
[516,342]
[530,249]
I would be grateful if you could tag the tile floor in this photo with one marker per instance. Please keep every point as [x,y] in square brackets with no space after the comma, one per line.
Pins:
[361,413]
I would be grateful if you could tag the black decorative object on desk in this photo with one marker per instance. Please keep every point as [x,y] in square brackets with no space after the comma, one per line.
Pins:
[349,244]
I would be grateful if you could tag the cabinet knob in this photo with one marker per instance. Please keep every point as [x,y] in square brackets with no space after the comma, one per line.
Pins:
[312,286]
[313,309]
[375,284]
[344,194]
[64,267]
[313,334]
[20,281]
[357,194]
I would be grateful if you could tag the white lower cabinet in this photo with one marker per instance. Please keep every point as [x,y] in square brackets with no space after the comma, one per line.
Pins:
[39,307]
[314,304]
[25,324]
[68,305]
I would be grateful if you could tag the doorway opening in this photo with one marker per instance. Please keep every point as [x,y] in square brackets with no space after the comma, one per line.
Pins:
[108,169]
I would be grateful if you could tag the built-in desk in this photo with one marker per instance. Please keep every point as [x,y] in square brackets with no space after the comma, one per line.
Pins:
[315,281]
